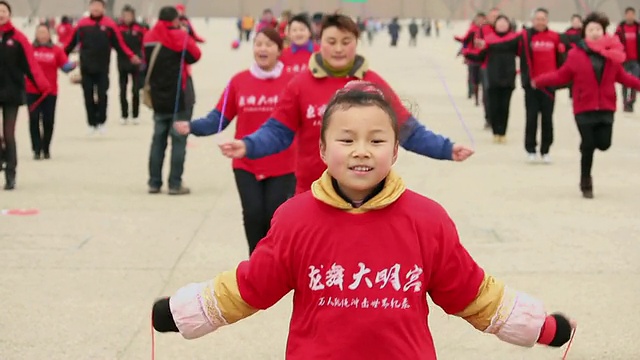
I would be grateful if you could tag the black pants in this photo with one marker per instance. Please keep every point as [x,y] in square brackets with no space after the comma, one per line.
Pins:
[473,79]
[394,40]
[595,129]
[8,153]
[41,121]
[484,81]
[499,102]
[95,86]
[260,199]
[135,92]
[537,103]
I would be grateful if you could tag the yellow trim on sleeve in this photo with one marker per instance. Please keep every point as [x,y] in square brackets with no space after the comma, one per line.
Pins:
[223,302]
[486,305]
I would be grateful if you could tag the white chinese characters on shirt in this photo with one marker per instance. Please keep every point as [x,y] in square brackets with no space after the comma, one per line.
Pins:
[392,277]
[315,113]
[253,103]
[296,68]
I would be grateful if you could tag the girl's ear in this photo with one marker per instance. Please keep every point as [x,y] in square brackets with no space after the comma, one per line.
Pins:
[395,152]
[323,151]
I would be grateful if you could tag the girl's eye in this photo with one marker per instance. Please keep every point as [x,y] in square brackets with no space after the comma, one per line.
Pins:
[346,141]
[378,141]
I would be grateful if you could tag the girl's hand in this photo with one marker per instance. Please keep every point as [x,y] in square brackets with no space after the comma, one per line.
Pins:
[235,149]
[182,127]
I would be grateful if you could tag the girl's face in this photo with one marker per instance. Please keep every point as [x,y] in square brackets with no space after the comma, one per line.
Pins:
[5,15]
[265,52]
[42,35]
[299,33]
[576,23]
[338,47]
[593,31]
[359,149]
[502,25]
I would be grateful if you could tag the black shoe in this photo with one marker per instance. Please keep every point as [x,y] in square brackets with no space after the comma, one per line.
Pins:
[36,156]
[586,186]
[47,156]
[10,184]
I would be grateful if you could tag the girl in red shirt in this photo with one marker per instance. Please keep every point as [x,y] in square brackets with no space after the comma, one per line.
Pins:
[304,100]
[64,31]
[594,66]
[263,184]
[42,110]
[296,57]
[356,293]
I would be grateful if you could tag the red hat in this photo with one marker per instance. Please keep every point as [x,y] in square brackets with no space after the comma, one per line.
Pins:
[180,7]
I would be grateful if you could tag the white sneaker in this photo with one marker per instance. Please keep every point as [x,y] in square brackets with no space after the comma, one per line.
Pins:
[546,159]
[532,158]
[123,121]
[92,130]
[102,129]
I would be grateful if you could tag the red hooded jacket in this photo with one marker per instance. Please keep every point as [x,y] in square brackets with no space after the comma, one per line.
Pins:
[581,67]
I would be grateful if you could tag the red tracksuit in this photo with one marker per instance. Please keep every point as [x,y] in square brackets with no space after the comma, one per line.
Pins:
[296,57]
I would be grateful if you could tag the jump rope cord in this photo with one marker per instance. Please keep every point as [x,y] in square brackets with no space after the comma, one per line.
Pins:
[566,351]
[453,103]
[224,107]
[179,86]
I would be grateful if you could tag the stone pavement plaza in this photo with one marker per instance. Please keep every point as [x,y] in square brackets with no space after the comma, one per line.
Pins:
[78,279]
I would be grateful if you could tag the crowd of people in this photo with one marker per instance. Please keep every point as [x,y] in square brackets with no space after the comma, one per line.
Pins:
[549,61]
[307,85]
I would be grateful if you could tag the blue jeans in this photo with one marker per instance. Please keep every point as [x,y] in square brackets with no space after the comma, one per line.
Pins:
[163,128]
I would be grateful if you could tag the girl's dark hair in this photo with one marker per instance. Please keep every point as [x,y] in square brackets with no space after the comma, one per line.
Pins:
[596,17]
[508,20]
[358,94]
[273,35]
[342,22]
[301,18]
[6,4]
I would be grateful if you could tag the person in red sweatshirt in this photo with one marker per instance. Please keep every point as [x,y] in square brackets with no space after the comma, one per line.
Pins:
[42,107]
[64,31]
[594,66]
[570,38]
[299,111]
[16,63]
[285,19]
[184,21]
[361,253]
[628,31]
[296,57]
[263,184]
[486,30]
[133,35]
[473,67]
[97,34]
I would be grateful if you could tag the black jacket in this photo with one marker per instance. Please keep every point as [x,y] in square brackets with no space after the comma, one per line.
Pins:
[132,35]
[96,37]
[163,79]
[16,62]
[501,63]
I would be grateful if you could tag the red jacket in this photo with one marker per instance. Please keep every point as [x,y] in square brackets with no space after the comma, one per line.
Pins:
[629,36]
[65,32]
[589,94]
[295,58]
[50,58]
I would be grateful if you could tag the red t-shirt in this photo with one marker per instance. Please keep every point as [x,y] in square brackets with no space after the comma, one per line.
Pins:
[50,58]
[301,108]
[252,101]
[631,41]
[297,61]
[360,281]
[65,32]
[544,47]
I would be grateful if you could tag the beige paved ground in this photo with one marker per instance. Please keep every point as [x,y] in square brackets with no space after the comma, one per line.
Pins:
[77,281]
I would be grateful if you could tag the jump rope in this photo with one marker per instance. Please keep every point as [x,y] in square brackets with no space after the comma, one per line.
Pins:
[443,81]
